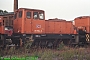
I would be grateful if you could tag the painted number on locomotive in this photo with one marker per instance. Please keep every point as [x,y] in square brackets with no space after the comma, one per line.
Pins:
[37,30]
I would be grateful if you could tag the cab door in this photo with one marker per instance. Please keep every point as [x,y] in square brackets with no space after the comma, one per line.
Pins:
[28,21]
[38,23]
[18,18]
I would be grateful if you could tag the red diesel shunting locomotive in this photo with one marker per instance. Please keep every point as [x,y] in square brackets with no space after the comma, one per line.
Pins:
[31,24]
[46,32]
[6,28]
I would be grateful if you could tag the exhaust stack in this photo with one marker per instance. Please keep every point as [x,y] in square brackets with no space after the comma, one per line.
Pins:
[15,5]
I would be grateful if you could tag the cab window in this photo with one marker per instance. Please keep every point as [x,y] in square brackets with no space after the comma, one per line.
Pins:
[15,16]
[20,14]
[35,15]
[41,16]
[28,14]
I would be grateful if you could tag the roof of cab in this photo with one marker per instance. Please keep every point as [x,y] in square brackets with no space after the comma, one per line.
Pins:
[32,9]
[82,17]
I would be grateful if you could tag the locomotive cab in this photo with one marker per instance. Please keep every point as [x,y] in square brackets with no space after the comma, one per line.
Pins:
[29,21]
[6,25]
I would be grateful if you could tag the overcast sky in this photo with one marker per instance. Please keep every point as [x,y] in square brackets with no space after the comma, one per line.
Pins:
[63,9]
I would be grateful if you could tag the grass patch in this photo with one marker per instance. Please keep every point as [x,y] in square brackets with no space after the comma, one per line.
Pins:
[62,53]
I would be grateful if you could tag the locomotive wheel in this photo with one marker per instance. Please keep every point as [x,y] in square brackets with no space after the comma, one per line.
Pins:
[56,43]
[33,44]
[50,44]
[3,40]
[43,44]
[36,44]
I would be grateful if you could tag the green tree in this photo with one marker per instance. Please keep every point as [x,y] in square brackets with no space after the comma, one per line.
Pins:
[3,11]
